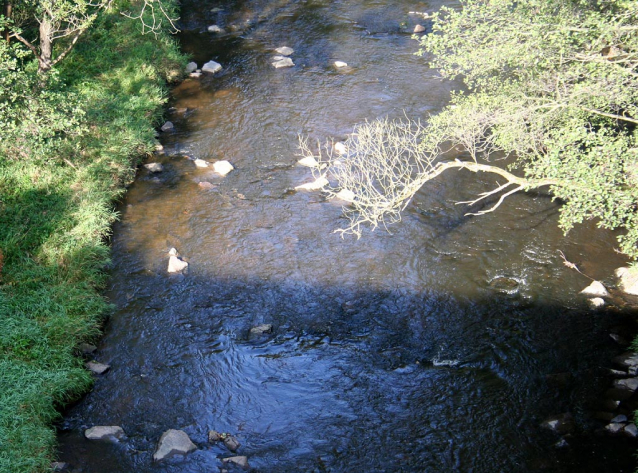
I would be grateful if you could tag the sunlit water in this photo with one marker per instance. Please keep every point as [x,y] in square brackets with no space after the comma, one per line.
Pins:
[430,348]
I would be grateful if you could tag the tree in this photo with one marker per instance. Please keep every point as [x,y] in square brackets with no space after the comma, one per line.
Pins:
[553,85]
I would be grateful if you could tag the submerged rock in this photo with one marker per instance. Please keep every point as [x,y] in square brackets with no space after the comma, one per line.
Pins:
[317,184]
[206,185]
[222,167]
[154,167]
[212,67]
[97,368]
[286,62]
[595,289]
[173,442]
[261,329]
[285,51]
[561,424]
[628,280]
[168,126]
[104,432]
[59,466]
[87,348]
[239,461]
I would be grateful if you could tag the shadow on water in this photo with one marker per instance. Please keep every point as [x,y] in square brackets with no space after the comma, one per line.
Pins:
[440,347]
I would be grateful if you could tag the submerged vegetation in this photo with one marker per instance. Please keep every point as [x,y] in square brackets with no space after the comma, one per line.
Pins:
[70,140]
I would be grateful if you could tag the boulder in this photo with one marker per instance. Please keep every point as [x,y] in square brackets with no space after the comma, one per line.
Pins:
[286,62]
[562,424]
[215,29]
[154,167]
[261,329]
[231,443]
[419,29]
[631,430]
[97,368]
[619,418]
[309,162]
[214,436]
[614,427]
[284,51]
[628,280]
[173,442]
[317,184]
[596,302]
[191,67]
[346,195]
[168,126]
[104,432]
[176,265]
[211,67]
[629,383]
[339,64]
[595,289]
[222,167]
[239,461]
[200,163]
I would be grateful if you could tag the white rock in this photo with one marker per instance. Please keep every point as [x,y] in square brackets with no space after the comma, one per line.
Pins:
[97,368]
[215,29]
[286,62]
[173,442]
[104,432]
[240,461]
[614,427]
[628,280]
[631,430]
[596,289]
[340,64]
[168,126]
[285,51]
[261,329]
[317,184]
[159,147]
[419,29]
[212,67]
[629,383]
[176,265]
[340,148]
[346,195]
[222,167]
[173,252]
[195,74]
[309,162]
[200,163]
[191,67]
[596,302]
[620,418]
[154,167]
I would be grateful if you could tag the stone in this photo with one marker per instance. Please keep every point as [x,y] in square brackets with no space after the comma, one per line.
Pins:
[618,373]
[222,167]
[200,163]
[168,126]
[339,64]
[212,67]
[173,442]
[191,67]
[628,280]
[176,265]
[614,427]
[629,383]
[239,461]
[97,368]
[173,252]
[340,148]
[154,167]
[214,436]
[284,51]
[596,302]
[87,348]
[215,29]
[261,329]
[627,360]
[104,432]
[619,418]
[419,29]
[631,430]
[309,162]
[562,424]
[231,443]
[206,185]
[286,62]
[59,466]
[595,289]
[562,443]
[317,184]
[278,58]
[195,74]
[345,195]
[159,147]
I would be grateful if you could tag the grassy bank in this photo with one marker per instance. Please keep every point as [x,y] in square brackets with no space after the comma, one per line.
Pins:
[56,209]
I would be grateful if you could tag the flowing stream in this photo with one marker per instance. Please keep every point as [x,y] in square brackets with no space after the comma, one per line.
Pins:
[439,346]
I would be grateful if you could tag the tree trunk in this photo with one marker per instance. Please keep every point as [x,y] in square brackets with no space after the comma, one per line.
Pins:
[7,14]
[46,46]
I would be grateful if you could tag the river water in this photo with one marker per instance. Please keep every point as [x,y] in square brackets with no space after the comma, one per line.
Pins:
[441,346]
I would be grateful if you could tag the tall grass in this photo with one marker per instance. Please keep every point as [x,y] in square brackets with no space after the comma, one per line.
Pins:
[55,216]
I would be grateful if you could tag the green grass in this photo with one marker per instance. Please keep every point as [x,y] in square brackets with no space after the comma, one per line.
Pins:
[55,217]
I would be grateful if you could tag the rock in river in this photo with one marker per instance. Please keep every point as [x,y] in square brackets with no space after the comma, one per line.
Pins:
[315,185]
[154,167]
[240,461]
[176,265]
[286,62]
[628,280]
[173,442]
[104,432]
[212,67]
[97,368]
[595,289]
[168,126]
[222,167]
[561,424]
[191,67]
[261,329]
[285,51]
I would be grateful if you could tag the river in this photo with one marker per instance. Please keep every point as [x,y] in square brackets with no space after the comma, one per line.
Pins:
[440,345]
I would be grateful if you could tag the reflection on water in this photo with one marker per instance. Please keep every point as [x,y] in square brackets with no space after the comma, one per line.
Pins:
[425,349]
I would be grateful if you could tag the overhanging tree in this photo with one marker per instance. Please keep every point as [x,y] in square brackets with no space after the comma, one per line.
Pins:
[553,84]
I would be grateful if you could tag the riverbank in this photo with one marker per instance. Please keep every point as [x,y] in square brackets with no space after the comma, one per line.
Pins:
[55,218]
